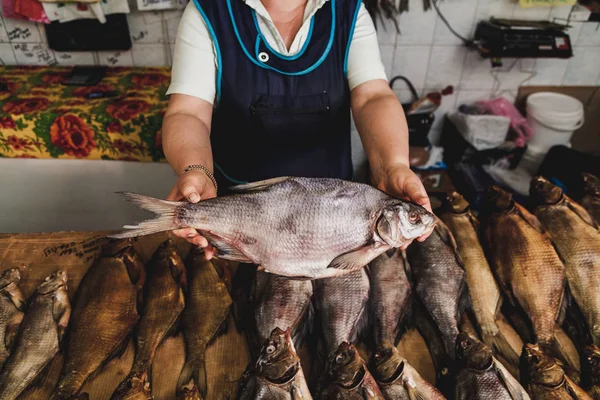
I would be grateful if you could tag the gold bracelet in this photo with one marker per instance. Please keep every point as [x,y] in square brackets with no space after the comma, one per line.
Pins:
[205,170]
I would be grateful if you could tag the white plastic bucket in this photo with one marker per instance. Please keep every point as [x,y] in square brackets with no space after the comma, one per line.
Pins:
[553,117]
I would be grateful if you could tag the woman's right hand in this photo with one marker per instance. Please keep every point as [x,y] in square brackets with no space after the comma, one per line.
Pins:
[193,186]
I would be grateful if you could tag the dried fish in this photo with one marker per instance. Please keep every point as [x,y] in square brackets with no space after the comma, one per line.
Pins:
[590,371]
[12,310]
[591,198]
[439,281]
[105,313]
[308,227]
[163,302]
[39,336]
[201,324]
[526,266]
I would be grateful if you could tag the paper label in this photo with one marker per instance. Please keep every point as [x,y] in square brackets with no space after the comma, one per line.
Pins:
[546,3]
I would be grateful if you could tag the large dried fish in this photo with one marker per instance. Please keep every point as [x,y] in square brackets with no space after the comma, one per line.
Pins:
[12,309]
[482,377]
[200,323]
[39,336]
[348,377]
[484,293]
[397,379]
[577,240]
[284,303]
[300,227]
[277,374]
[527,266]
[389,301]
[545,379]
[591,199]
[105,313]
[438,279]
[163,302]
[341,303]
[590,371]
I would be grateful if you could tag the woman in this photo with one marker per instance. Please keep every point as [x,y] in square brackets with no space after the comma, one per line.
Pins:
[264,88]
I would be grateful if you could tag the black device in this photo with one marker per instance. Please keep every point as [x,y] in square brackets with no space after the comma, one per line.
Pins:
[85,76]
[499,38]
[90,34]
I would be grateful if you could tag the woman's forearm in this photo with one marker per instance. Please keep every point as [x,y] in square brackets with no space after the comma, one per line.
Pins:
[381,123]
[186,141]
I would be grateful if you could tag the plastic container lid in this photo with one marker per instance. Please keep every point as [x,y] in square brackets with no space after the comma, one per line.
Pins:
[552,103]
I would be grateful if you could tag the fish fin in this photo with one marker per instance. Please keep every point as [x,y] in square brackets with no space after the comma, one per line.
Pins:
[474,221]
[358,258]
[119,350]
[405,321]
[258,185]
[296,393]
[11,330]
[195,372]
[167,212]
[498,343]
[225,247]
[415,392]
[575,391]
[442,230]
[581,212]
[515,390]
[529,218]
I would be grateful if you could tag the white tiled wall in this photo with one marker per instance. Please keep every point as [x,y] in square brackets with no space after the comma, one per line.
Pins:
[425,51]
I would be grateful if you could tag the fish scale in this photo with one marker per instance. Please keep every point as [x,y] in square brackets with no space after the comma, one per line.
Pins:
[298,227]
[12,307]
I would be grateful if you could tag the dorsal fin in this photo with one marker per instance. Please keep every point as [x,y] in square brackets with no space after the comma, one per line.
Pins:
[258,185]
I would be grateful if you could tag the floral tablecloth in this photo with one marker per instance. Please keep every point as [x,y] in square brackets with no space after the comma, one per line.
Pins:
[42,118]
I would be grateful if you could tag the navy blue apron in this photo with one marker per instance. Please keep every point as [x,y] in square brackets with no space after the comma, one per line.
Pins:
[279,115]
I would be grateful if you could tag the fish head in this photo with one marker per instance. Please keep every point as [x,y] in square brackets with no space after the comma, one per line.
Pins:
[53,282]
[10,276]
[542,368]
[498,199]
[473,353]
[115,246]
[542,191]
[386,363]
[455,203]
[591,184]
[403,222]
[345,366]
[590,366]
[136,386]
[278,361]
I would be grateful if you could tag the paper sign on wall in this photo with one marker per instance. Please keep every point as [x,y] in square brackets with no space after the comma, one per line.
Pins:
[546,3]
[153,5]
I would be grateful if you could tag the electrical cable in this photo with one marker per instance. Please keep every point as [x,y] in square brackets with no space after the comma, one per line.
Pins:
[466,41]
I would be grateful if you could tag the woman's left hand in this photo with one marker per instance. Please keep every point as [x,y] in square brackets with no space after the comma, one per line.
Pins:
[400,181]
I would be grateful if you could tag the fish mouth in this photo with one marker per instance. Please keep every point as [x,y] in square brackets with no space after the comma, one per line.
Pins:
[544,191]
[499,198]
[116,246]
[357,380]
[455,203]
[287,376]
[9,276]
[395,376]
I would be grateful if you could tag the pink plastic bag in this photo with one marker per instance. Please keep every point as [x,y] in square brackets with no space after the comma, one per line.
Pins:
[521,131]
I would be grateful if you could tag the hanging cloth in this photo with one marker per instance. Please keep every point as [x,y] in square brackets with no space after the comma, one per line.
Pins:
[31,10]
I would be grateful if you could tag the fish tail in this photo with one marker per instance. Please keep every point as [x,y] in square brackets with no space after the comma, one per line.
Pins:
[499,344]
[167,212]
[196,372]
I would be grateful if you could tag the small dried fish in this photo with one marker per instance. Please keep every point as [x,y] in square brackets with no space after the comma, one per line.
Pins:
[39,336]
[201,324]
[389,301]
[308,227]
[397,379]
[163,302]
[341,303]
[105,313]
[12,310]
[577,240]
[485,295]
[482,377]
[591,198]
[348,377]
[590,371]
[284,303]
[438,279]
[545,379]
[277,374]
[526,266]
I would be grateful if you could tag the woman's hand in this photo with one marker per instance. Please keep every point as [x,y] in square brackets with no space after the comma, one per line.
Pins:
[400,181]
[193,186]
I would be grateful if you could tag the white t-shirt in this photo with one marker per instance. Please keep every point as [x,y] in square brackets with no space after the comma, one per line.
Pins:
[195,62]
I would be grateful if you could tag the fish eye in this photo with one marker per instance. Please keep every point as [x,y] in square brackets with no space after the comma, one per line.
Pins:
[445,371]
[414,217]
[377,356]
[338,358]
[270,349]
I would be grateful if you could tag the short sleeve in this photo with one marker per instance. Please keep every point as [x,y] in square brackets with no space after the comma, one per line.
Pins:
[194,62]
[364,58]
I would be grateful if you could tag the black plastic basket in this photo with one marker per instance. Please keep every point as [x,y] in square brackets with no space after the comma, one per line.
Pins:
[419,124]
